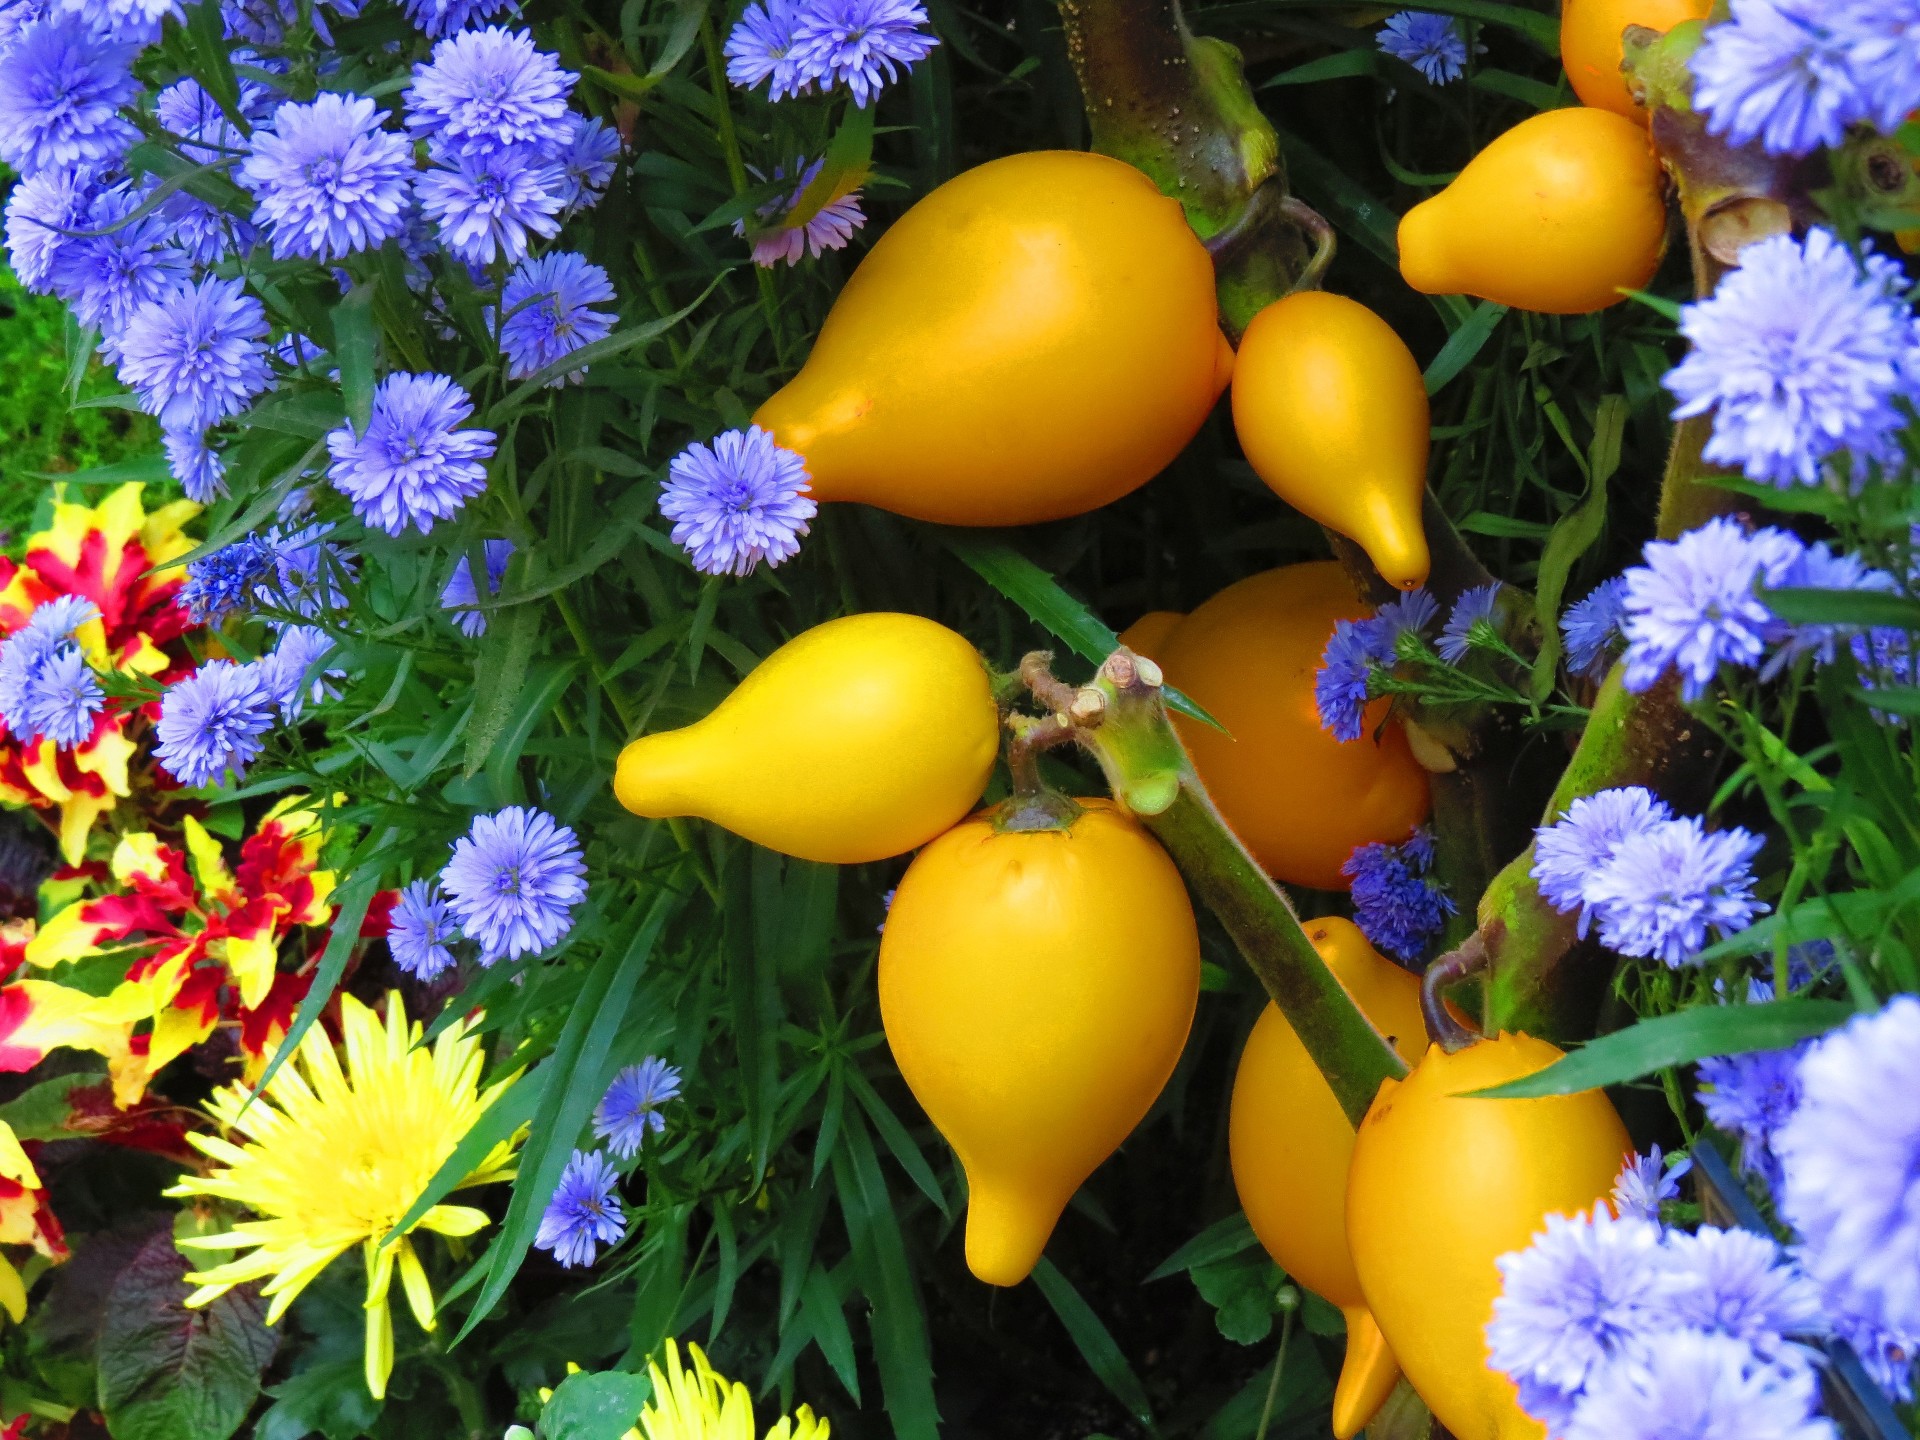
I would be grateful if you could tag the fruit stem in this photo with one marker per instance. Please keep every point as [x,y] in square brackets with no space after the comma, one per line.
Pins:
[1148,770]
[1456,965]
[1034,804]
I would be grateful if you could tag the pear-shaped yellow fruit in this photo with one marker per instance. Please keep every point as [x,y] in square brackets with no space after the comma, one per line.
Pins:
[1440,1187]
[1034,339]
[1037,987]
[1290,1143]
[1332,413]
[859,739]
[1558,215]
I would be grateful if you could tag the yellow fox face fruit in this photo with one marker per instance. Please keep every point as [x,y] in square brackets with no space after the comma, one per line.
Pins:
[1591,52]
[1290,1143]
[1558,215]
[1441,1187]
[1037,988]
[1032,340]
[1332,413]
[856,740]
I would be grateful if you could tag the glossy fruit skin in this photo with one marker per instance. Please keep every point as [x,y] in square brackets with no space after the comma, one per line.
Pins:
[1590,47]
[1290,1144]
[1298,798]
[1037,988]
[1035,338]
[1557,215]
[1441,1187]
[1332,413]
[856,740]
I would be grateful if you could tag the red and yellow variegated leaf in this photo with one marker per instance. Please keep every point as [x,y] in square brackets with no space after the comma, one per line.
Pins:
[209,865]
[265,1026]
[15,936]
[247,941]
[37,1016]
[83,928]
[27,1219]
[155,871]
[177,1028]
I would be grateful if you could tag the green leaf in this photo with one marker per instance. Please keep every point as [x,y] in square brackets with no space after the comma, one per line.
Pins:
[601,1406]
[1228,1236]
[1573,535]
[1519,87]
[1243,1290]
[1095,1343]
[329,1398]
[844,169]
[206,32]
[354,342]
[1341,65]
[499,678]
[1894,699]
[1678,1039]
[41,1112]
[170,1373]
[1866,608]
[500,1119]
[1463,345]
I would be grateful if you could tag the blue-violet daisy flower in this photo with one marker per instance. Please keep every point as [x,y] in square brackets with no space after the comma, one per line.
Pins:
[414,465]
[1475,607]
[1398,906]
[197,356]
[760,48]
[631,1107]
[547,305]
[485,205]
[62,88]
[211,723]
[1432,44]
[39,209]
[1693,1386]
[1591,628]
[227,580]
[1737,1283]
[584,1213]
[1750,1096]
[437,18]
[1568,853]
[859,43]
[828,228]
[328,179]
[195,464]
[738,501]
[1667,887]
[1646,1182]
[514,881]
[491,89]
[284,671]
[460,596]
[418,931]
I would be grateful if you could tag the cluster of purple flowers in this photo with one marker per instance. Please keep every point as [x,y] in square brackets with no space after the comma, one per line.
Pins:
[48,688]
[1795,74]
[1397,903]
[1658,883]
[215,722]
[793,45]
[585,1211]
[1345,681]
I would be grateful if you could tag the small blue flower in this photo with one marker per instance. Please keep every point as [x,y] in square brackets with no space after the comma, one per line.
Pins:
[269,23]
[1803,355]
[62,88]
[1749,1097]
[1694,605]
[1580,1296]
[760,48]
[1340,685]
[418,932]
[1668,887]
[1569,853]
[437,18]
[284,671]
[1819,567]
[1691,1386]
[309,570]
[107,275]
[485,206]
[830,227]
[47,688]
[1646,1182]
[491,90]
[199,355]
[328,179]
[1850,1157]
[39,208]
[585,1212]
[1397,906]
[1591,628]
[588,162]
[738,501]
[227,580]
[1883,39]
[1432,44]
[211,723]
[135,22]
[1736,1283]
[631,1107]
[415,465]
[859,43]
[548,304]
[1887,1357]
[460,595]
[1474,607]
[513,882]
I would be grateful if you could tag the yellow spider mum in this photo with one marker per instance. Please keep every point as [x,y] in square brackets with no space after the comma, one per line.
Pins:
[699,1404]
[334,1158]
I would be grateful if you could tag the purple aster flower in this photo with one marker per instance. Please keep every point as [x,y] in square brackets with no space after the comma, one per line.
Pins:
[284,672]
[61,91]
[1691,1386]
[1750,1097]
[1802,354]
[1735,1283]
[1591,628]
[1432,44]
[584,1213]
[460,596]
[1570,852]
[418,932]
[514,881]
[1473,608]
[1884,55]
[1888,1358]
[269,23]
[39,209]
[631,1106]
[1396,904]
[197,356]
[588,162]
[437,18]
[206,134]
[414,465]
[309,570]
[1850,1156]
[488,90]
[1354,649]
[738,501]
[1580,1296]
[1408,614]
[1646,1182]
[328,179]
[195,464]
[760,48]
[830,227]
[548,304]
[107,274]
[211,723]
[1819,567]
[47,687]
[1667,887]
[486,205]
[227,580]
[859,43]
[1694,605]
[205,232]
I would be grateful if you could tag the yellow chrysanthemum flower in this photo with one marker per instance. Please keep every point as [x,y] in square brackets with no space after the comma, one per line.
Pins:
[700,1404]
[335,1158]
